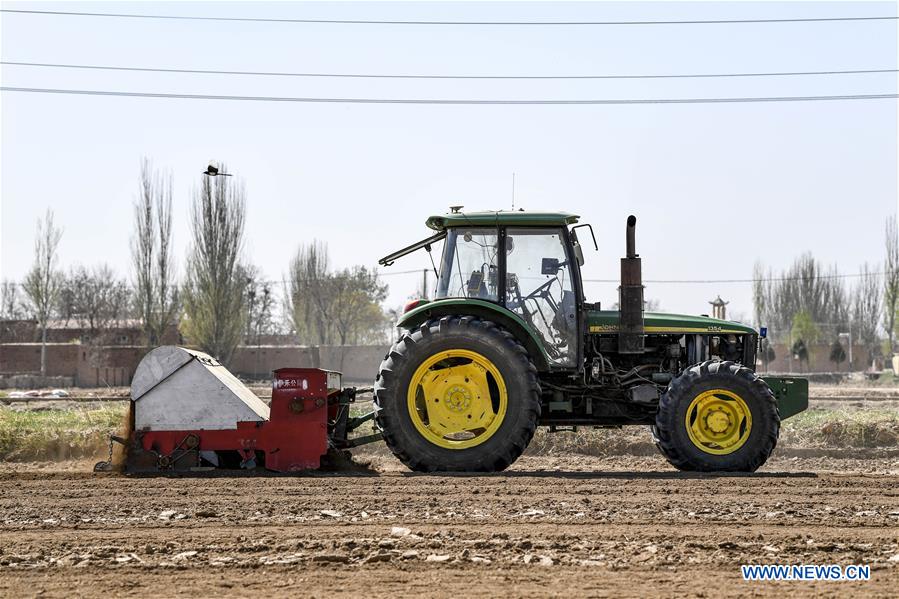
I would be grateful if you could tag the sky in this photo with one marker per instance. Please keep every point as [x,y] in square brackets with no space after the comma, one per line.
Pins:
[715,187]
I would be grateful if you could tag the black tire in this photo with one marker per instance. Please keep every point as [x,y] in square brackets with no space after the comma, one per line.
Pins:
[457,332]
[670,430]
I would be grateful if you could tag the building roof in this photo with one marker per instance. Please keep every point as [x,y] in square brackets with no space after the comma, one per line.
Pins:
[79,324]
[521,218]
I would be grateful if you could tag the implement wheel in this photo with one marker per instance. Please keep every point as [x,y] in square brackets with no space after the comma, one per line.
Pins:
[457,394]
[717,417]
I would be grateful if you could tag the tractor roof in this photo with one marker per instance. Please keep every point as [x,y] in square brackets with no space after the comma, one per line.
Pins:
[517,218]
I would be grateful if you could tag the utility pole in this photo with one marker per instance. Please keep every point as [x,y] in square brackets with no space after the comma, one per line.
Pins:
[513,192]
[790,350]
[424,283]
[849,335]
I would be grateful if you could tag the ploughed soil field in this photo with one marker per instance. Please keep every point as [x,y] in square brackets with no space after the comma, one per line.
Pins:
[582,525]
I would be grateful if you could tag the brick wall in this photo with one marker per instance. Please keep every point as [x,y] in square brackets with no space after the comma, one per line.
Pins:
[107,365]
[25,358]
[91,366]
[819,359]
[87,366]
[258,362]
[357,363]
[113,365]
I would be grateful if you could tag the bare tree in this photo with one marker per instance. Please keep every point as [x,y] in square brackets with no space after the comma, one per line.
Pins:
[214,288]
[866,308]
[807,286]
[891,280]
[388,332]
[155,290]
[652,305]
[42,281]
[326,307]
[306,293]
[760,294]
[11,306]
[11,309]
[357,295]
[96,299]
[260,305]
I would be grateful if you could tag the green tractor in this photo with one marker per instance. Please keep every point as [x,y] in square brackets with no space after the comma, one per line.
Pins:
[510,343]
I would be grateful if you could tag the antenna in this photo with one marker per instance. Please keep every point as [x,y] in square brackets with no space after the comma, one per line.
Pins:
[513,192]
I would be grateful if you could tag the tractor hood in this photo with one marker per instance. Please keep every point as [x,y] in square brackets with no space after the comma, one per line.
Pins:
[606,321]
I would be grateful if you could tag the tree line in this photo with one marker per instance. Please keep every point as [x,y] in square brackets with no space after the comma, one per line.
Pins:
[221,300]
[810,303]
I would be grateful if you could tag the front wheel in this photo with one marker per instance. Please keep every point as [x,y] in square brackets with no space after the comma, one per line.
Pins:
[717,417]
[457,394]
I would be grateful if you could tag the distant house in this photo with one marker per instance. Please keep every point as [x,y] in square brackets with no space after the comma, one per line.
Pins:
[17,331]
[125,332]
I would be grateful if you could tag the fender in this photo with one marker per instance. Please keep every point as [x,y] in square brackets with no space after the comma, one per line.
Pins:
[483,309]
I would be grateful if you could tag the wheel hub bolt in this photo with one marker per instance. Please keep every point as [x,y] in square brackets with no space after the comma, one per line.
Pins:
[717,422]
[458,398]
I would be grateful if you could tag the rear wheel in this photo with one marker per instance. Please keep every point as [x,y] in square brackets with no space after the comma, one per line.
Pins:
[457,394]
[717,416]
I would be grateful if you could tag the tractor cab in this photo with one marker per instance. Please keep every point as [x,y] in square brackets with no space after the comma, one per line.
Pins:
[525,262]
[528,270]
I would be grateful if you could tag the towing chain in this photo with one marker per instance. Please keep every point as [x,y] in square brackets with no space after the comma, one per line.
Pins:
[106,466]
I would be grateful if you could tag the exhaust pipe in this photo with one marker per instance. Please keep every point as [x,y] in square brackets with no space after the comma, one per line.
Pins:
[631,231]
[630,296]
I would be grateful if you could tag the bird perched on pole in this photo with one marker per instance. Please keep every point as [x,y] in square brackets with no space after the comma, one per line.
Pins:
[213,171]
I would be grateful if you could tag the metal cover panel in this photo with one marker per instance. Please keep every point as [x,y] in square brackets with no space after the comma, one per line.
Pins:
[157,366]
[198,395]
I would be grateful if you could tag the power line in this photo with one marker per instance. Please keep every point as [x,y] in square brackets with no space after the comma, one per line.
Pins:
[690,281]
[86,92]
[416,271]
[275,282]
[479,23]
[766,279]
[413,76]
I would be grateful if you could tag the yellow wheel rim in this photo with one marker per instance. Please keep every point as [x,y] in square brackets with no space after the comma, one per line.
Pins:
[718,421]
[457,399]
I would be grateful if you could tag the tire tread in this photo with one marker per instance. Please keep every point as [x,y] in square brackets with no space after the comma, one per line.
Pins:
[404,350]
[680,391]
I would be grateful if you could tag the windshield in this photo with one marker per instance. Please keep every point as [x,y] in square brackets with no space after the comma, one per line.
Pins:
[469,265]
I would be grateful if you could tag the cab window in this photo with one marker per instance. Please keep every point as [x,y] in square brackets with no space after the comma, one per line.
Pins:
[469,264]
[539,288]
